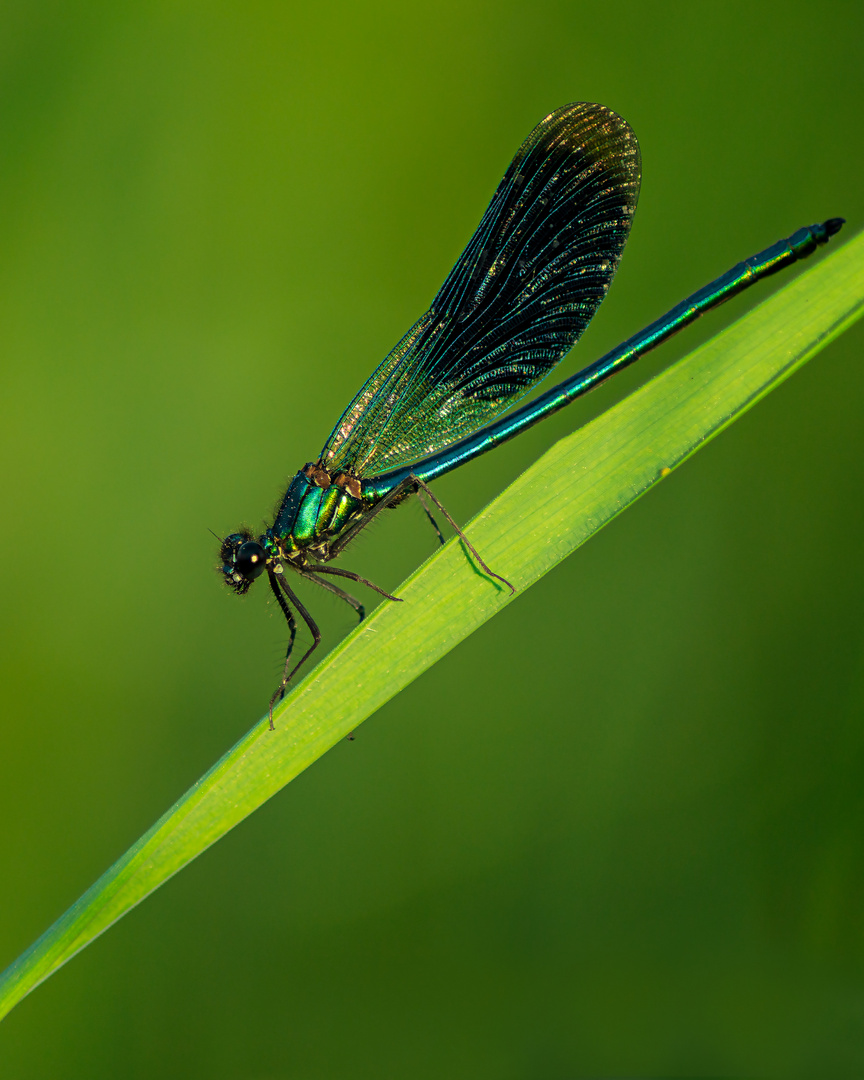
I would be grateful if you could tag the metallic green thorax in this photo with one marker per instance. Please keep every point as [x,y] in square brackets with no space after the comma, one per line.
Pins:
[316,509]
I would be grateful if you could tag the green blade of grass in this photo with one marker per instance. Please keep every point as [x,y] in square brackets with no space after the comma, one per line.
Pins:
[578,486]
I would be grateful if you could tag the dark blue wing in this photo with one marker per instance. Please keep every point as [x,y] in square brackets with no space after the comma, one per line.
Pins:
[514,304]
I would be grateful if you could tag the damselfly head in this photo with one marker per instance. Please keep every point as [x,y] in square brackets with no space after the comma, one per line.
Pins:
[243,560]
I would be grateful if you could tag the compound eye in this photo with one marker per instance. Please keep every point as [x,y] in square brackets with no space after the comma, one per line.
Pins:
[251,560]
[230,545]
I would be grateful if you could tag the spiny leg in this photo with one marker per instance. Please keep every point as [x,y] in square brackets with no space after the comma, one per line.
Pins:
[356,577]
[307,618]
[347,597]
[425,487]
[412,484]
[292,630]
[313,628]
[422,502]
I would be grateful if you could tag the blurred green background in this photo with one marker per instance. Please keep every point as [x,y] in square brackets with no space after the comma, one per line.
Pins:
[619,831]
